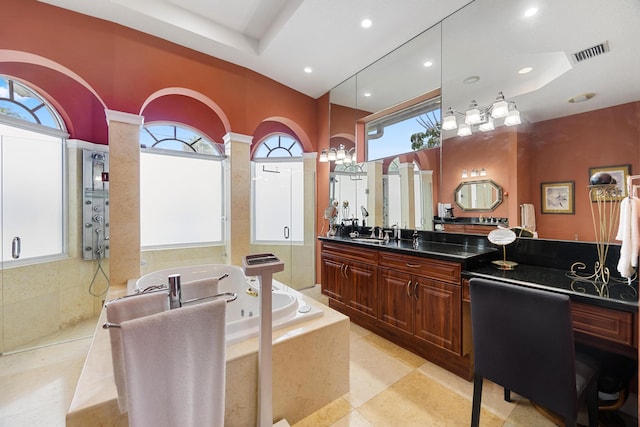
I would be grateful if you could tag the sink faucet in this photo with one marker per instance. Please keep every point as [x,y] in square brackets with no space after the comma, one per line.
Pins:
[415,239]
[373,232]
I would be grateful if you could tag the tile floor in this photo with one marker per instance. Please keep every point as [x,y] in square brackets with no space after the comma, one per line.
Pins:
[389,386]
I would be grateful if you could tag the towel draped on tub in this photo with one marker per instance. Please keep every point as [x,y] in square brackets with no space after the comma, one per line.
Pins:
[175,366]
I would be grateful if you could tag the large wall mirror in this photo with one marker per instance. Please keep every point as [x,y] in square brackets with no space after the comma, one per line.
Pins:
[569,69]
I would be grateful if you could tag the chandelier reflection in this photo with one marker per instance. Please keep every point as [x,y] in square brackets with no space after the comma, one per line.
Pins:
[340,155]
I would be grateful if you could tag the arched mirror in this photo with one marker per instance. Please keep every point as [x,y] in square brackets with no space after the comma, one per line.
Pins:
[481,196]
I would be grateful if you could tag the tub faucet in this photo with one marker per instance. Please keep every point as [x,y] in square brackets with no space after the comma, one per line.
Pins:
[175,291]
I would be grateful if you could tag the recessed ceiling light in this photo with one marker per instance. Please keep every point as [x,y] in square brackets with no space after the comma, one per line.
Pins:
[367,94]
[366,23]
[471,79]
[525,70]
[428,64]
[530,12]
[582,97]
[308,70]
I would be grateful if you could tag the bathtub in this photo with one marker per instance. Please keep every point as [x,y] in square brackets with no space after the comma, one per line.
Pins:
[289,306]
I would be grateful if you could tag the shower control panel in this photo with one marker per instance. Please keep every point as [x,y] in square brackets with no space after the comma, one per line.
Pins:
[95,205]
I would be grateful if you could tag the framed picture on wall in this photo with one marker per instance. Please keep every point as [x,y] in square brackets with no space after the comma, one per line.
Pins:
[619,173]
[557,197]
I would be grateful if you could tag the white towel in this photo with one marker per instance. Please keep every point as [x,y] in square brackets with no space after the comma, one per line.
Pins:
[528,216]
[629,235]
[199,288]
[119,311]
[175,366]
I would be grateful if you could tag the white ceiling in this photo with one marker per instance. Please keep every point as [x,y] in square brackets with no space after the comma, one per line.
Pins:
[487,38]
[279,38]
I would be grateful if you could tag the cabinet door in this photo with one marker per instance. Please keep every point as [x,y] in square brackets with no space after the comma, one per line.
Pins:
[332,278]
[396,293]
[438,313]
[361,289]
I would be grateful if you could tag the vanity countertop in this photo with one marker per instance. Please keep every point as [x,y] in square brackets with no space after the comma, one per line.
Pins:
[426,248]
[621,295]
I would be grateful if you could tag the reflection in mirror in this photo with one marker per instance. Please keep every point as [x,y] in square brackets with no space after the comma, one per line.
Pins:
[348,186]
[577,92]
[480,196]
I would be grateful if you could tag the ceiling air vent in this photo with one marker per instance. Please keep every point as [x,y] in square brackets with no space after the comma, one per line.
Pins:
[591,52]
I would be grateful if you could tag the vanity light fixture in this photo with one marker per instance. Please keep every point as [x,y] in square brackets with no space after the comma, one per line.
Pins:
[482,117]
[340,155]
[465,174]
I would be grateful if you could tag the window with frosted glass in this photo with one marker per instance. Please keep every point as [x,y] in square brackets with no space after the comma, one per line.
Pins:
[180,199]
[32,202]
[278,201]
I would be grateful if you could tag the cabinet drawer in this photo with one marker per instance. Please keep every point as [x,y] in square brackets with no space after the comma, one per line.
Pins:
[433,268]
[612,325]
[351,252]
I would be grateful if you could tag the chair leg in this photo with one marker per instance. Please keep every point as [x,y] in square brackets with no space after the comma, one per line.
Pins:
[507,395]
[477,398]
[592,402]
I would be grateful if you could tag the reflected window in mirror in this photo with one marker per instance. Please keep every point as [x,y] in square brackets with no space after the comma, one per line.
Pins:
[409,129]
[349,186]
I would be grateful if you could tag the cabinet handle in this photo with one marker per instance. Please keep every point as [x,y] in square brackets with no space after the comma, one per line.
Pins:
[415,290]
[413,265]
[342,266]
[346,271]
[408,288]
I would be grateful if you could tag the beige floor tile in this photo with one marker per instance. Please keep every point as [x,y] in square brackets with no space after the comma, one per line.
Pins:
[359,330]
[417,400]
[37,385]
[326,416]
[371,371]
[353,419]
[395,351]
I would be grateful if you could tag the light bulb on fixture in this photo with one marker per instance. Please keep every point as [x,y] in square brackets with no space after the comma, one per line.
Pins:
[487,125]
[323,156]
[339,161]
[513,118]
[331,156]
[449,121]
[347,159]
[465,174]
[472,115]
[341,152]
[464,130]
[500,108]
[483,172]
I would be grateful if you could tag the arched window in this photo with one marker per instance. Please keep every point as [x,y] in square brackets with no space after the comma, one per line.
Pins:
[181,187]
[32,166]
[278,191]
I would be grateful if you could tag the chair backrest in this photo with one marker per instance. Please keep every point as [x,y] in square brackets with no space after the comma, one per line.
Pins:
[523,340]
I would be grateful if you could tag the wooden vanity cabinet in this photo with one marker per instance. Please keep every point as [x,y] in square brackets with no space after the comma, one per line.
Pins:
[412,301]
[422,297]
[349,277]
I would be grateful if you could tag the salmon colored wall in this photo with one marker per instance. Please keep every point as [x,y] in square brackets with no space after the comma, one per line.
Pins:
[564,149]
[124,67]
[491,151]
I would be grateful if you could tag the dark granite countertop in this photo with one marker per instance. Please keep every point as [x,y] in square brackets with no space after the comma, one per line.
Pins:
[621,296]
[439,250]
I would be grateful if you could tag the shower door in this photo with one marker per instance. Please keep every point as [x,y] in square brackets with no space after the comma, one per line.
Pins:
[279,219]
[32,211]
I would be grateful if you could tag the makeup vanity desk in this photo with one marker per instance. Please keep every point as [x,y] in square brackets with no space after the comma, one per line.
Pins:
[419,298]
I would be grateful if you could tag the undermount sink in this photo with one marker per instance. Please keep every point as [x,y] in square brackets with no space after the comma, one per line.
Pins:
[367,239]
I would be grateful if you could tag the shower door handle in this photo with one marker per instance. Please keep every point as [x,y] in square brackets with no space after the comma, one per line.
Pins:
[16,248]
[286,232]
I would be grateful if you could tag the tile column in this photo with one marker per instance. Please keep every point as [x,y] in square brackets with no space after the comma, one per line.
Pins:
[124,196]
[375,200]
[426,178]
[407,196]
[237,196]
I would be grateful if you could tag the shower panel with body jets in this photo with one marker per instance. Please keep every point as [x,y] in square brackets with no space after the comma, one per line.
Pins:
[95,212]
